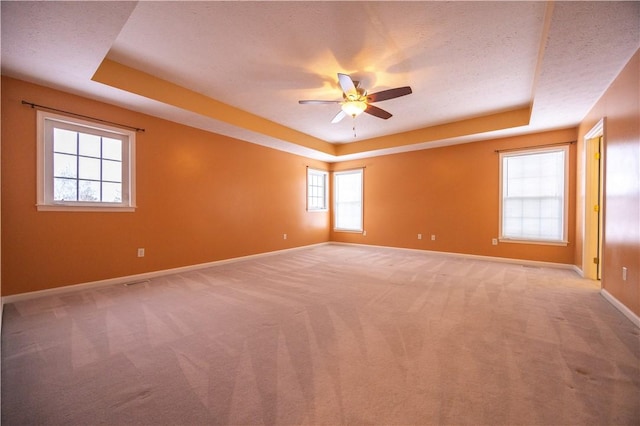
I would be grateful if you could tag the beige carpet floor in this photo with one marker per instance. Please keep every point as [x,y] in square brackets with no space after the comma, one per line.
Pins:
[329,334]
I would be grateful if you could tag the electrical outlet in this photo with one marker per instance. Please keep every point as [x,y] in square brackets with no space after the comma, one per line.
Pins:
[624,273]
[364,233]
[140,252]
[284,236]
[419,236]
[433,237]
[494,241]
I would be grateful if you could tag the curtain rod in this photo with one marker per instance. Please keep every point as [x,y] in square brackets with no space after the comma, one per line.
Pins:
[32,105]
[331,171]
[534,147]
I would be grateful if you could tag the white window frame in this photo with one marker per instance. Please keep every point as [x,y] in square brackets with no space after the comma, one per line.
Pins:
[311,173]
[46,122]
[336,204]
[563,241]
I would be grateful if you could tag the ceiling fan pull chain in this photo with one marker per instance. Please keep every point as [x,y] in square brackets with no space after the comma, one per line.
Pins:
[354,127]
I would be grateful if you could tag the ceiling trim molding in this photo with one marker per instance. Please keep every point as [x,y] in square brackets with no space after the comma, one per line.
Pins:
[122,77]
[486,123]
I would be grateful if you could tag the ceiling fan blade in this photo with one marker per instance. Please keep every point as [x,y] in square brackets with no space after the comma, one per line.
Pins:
[312,101]
[378,112]
[389,94]
[339,116]
[347,85]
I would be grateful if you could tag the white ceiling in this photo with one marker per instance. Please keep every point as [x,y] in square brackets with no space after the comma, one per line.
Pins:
[462,59]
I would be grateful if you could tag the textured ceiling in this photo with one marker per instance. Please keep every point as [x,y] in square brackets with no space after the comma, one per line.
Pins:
[481,65]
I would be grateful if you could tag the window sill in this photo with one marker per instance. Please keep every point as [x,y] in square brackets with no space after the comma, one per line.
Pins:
[536,242]
[351,231]
[83,208]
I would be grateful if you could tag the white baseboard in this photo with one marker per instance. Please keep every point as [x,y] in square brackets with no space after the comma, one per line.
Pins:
[578,270]
[621,307]
[139,277]
[478,257]
[154,274]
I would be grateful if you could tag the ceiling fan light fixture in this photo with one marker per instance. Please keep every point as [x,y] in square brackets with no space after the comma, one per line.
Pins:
[356,100]
[354,108]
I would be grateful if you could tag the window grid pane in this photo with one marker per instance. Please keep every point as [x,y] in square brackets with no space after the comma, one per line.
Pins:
[316,190]
[65,141]
[348,201]
[80,170]
[533,195]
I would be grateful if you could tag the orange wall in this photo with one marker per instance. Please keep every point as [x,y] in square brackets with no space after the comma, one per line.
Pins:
[620,104]
[201,197]
[453,193]
[204,197]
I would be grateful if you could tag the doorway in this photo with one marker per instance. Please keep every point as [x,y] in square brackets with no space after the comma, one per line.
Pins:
[594,202]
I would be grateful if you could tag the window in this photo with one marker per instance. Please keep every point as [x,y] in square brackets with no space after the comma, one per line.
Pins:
[348,200]
[316,190]
[83,165]
[533,195]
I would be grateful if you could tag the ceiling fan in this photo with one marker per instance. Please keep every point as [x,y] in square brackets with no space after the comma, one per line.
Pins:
[356,100]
